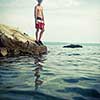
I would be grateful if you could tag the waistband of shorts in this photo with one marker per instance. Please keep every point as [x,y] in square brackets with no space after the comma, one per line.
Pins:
[39,18]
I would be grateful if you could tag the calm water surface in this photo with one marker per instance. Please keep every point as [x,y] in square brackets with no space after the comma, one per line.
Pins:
[63,74]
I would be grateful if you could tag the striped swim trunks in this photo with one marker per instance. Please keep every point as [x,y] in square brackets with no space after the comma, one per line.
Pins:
[39,23]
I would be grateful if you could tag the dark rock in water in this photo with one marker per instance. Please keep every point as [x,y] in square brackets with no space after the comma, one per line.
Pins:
[15,43]
[73,46]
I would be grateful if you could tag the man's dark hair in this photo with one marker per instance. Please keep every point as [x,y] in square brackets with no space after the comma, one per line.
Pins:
[39,1]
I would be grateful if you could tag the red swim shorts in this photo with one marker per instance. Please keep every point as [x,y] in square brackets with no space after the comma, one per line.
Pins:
[40,25]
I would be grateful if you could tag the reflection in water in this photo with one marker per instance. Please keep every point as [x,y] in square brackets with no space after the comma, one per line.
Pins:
[56,78]
[38,62]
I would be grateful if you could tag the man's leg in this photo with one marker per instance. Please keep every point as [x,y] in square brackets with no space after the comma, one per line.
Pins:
[41,33]
[37,41]
[37,32]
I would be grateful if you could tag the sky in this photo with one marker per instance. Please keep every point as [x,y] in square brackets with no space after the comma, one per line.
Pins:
[65,20]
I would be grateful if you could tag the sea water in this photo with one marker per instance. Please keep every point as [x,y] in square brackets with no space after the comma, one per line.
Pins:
[62,74]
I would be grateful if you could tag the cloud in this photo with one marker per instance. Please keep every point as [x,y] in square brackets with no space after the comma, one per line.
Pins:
[61,3]
[16,3]
[48,4]
[69,3]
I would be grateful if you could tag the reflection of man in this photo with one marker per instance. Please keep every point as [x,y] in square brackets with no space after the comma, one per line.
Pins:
[39,22]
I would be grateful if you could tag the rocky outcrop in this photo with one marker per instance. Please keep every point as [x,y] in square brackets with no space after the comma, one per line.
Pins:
[13,43]
[73,46]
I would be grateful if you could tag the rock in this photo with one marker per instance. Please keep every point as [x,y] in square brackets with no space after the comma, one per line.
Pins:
[39,82]
[15,43]
[73,46]
[3,51]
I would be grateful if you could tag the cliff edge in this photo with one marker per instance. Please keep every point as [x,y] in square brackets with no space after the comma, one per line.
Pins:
[13,43]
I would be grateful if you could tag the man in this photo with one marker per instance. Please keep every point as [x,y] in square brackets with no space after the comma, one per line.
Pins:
[39,22]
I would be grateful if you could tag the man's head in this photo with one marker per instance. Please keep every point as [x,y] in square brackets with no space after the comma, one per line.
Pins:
[39,1]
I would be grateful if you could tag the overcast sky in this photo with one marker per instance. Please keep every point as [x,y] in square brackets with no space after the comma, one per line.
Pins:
[66,20]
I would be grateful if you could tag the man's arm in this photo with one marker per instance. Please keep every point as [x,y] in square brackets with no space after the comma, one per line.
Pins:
[42,14]
[35,13]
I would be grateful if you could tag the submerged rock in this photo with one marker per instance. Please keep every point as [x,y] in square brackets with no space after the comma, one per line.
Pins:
[73,46]
[13,43]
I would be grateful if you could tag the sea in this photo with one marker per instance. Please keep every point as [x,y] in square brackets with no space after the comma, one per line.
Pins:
[61,74]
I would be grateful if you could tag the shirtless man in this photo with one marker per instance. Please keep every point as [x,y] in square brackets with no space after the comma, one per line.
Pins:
[39,22]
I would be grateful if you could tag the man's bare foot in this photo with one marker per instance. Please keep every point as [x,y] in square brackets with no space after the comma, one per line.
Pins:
[37,42]
[41,42]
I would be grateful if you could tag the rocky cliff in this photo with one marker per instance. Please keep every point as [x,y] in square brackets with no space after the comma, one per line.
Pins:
[13,43]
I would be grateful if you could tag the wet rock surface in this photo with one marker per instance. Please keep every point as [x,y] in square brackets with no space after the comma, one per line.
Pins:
[15,43]
[73,46]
